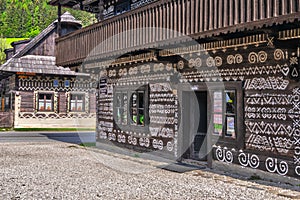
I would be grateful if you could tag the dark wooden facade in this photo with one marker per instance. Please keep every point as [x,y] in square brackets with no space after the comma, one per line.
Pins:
[222,72]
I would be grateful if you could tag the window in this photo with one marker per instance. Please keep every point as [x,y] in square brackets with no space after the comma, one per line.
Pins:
[130,107]
[137,108]
[77,102]
[45,102]
[121,108]
[224,113]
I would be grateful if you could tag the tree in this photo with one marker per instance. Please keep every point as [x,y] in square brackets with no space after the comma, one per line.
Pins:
[27,18]
[3,46]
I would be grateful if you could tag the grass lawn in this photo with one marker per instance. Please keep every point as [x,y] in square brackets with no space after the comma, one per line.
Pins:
[8,41]
[54,129]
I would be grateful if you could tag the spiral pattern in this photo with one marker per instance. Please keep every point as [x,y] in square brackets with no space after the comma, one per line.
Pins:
[210,62]
[170,146]
[270,165]
[243,160]
[147,142]
[297,170]
[230,59]
[252,57]
[181,64]
[161,66]
[278,54]
[198,62]
[169,67]
[238,58]
[218,61]
[262,56]
[282,168]
[254,161]
[191,63]
[219,154]
[229,157]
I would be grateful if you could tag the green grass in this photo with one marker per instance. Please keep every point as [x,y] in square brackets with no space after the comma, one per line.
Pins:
[54,129]
[5,129]
[136,155]
[8,41]
[88,144]
[255,177]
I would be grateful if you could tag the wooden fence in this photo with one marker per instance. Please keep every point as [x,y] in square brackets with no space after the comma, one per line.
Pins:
[199,18]
[6,119]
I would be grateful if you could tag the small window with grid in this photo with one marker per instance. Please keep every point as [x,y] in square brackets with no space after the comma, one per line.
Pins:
[77,102]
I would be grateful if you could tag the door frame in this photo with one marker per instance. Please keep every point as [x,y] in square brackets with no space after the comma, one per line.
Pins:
[196,87]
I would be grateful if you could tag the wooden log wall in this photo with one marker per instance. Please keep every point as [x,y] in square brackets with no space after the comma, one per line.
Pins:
[187,17]
[6,119]
[62,102]
[27,104]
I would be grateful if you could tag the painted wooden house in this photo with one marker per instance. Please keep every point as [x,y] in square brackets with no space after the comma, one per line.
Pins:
[36,93]
[190,76]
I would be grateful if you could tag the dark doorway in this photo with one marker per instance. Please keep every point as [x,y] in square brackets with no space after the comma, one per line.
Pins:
[194,115]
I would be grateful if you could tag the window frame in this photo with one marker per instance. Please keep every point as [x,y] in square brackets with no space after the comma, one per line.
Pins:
[225,114]
[228,141]
[129,125]
[85,102]
[53,101]
[76,102]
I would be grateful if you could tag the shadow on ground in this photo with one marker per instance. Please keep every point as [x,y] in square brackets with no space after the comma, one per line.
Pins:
[82,138]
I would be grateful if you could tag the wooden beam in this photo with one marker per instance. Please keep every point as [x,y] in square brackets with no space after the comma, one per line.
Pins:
[249,11]
[221,14]
[262,9]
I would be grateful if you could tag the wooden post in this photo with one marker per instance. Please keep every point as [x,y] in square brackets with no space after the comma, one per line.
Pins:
[59,20]
[101,9]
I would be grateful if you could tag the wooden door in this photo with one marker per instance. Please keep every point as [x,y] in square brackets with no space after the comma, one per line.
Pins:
[194,114]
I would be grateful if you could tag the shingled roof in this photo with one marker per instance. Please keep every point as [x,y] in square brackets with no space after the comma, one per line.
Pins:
[37,64]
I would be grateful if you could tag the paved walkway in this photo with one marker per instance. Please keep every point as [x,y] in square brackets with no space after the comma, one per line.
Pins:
[21,149]
[57,170]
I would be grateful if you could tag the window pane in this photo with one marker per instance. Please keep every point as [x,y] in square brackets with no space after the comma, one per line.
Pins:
[134,100]
[218,124]
[45,102]
[79,105]
[141,100]
[73,105]
[124,106]
[121,108]
[48,105]
[119,100]
[230,101]
[119,116]
[77,102]
[41,105]
[230,124]
[48,96]
[141,117]
[134,113]
[218,102]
